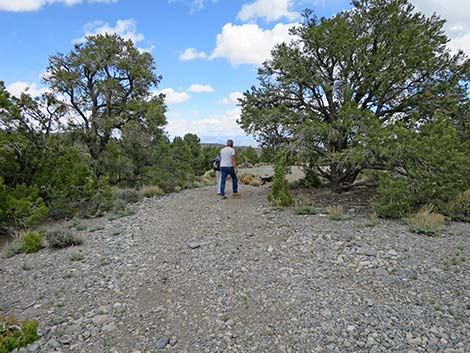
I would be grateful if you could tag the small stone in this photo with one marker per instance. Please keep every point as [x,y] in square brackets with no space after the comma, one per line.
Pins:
[53,343]
[162,342]
[109,327]
[444,341]
[415,341]
[392,253]
[22,350]
[350,328]
[101,319]
[65,339]
[194,245]
[270,249]
[33,347]
[366,251]
[173,341]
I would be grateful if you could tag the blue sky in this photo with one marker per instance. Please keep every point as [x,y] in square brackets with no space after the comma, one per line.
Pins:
[206,50]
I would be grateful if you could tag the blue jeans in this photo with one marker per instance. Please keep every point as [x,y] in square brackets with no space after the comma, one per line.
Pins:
[224,171]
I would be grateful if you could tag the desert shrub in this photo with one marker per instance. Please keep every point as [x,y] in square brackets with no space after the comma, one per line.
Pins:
[280,195]
[119,205]
[310,180]
[59,239]
[303,206]
[21,206]
[458,209]
[128,195]
[11,337]
[247,178]
[425,221]
[306,210]
[372,220]
[67,182]
[13,248]
[395,199]
[151,190]
[77,256]
[335,213]
[32,242]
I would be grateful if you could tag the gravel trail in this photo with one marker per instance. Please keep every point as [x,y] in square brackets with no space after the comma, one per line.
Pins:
[192,273]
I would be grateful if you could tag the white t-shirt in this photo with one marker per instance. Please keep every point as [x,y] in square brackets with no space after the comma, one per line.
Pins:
[226,154]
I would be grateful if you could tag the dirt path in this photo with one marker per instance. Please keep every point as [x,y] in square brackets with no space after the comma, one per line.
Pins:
[192,273]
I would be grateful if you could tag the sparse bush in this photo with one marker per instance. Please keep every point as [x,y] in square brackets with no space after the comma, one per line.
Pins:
[77,256]
[425,221]
[306,210]
[458,209]
[13,248]
[119,205]
[60,239]
[32,242]
[304,207]
[335,213]
[151,190]
[372,220]
[129,195]
[280,195]
[13,335]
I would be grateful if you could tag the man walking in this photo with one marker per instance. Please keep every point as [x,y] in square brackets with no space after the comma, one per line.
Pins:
[228,166]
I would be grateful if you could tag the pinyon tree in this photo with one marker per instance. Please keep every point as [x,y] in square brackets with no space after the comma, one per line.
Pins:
[368,68]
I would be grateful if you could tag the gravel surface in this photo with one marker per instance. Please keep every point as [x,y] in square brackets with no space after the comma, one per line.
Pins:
[189,272]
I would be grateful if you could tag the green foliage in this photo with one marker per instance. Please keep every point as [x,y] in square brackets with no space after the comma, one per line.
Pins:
[377,64]
[280,195]
[13,248]
[32,242]
[11,338]
[60,239]
[458,209]
[429,164]
[77,256]
[67,182]
[395,199]
[106,82]
[306,210]
[127,195]
[20,207]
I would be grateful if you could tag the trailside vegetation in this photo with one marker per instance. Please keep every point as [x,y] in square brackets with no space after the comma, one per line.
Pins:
[99,126]
[372,88]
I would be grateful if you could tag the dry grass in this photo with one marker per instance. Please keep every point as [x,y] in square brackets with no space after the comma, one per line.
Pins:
[459,208]
[425,221]
[250,179]
[335,213]
[151,190]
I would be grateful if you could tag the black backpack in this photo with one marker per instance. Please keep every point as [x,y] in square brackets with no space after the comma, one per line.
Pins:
[216,162]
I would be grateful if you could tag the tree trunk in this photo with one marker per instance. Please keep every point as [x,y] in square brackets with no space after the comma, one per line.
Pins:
[342,179]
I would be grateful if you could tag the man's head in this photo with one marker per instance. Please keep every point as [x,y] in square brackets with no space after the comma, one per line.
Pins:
[230,143]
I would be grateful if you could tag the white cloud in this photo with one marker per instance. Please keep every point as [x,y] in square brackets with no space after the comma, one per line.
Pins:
[232,98]
[196,87]
[271,10]
[34,5]
[127,29]
[214,125]
[173,97]
[248,43]
[457,14]
[191,54]
[18,87]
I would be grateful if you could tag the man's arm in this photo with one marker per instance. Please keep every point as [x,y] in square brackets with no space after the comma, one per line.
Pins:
[234,162]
